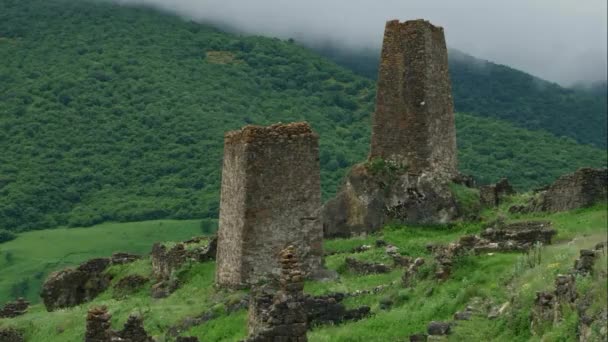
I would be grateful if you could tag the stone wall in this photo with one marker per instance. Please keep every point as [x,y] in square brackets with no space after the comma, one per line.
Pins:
[282,318]
[270,198]
[14,309]
[99,328]
[414,120]
[580,189]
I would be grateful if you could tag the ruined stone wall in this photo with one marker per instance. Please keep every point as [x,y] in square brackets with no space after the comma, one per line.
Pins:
[582,188]
[414,120]
[270,198]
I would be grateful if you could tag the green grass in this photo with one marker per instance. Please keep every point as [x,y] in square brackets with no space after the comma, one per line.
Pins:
[485,280]
[26,261]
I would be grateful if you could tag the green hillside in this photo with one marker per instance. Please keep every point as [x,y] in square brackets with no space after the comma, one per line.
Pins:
[110,113]
[497,91]
[484,281]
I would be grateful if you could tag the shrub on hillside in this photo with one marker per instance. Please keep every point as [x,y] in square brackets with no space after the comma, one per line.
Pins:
[6,236]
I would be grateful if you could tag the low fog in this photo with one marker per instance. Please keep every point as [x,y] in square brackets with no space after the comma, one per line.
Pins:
[559,40]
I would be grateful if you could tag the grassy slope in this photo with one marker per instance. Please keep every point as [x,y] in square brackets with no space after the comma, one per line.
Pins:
[110,113]
[495,278]
[26,261]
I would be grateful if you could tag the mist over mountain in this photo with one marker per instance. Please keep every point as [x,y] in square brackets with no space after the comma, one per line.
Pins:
[561,41]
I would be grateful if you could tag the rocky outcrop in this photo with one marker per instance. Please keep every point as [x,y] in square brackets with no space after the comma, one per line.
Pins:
[364,267]
[374,195]
[14,309]
[165,261]
[99,328]
[8,334]
[284,318]
[494,194]
[71,287]
[438,328]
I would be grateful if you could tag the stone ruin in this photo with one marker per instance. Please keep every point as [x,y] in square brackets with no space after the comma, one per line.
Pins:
[14,309]
[71,287]
[498,237]
[99,328]
[270,198]
[412,158]
[74,286]
[493,195]
[283,318]
[583,188]
[166,261]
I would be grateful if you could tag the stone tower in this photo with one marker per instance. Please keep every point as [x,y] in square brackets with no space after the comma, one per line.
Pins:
[414,120]
[270,198]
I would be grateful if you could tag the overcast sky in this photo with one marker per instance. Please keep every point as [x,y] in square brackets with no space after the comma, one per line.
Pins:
[559,40]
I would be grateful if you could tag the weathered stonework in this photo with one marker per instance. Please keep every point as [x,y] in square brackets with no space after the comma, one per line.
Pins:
[414,120]
[270,198]
[413,159]
[285,318]
[492,195]
[8,334]
[14,309]
[165,261]
[580,189]
[99,328]
[71,287]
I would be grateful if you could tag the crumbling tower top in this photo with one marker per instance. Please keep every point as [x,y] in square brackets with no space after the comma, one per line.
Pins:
[414,120]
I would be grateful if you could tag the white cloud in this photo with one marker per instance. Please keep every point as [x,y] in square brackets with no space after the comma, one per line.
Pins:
[559,40]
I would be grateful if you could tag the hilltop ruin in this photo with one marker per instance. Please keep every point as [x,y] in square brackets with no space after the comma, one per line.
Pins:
[413,157]
[270,198]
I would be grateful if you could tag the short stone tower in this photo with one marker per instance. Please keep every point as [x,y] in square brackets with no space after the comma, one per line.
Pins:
[414,120]
[270,198]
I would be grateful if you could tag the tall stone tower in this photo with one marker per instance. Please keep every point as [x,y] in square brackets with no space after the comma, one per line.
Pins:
[270,198]
[414,120]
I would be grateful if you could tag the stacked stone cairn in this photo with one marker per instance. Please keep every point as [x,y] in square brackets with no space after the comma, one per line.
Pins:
[285,319]
[99,328]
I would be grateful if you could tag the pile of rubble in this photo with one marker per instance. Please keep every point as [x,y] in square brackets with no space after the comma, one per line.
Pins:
[14,309]
[165,261]
[498,237]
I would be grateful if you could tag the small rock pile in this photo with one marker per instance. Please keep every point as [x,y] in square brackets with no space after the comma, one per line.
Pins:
[364,267]
[165,261]
[11,335]
[411,271]
[285,318]
[99,328]
[328,309]
[14,309]
[499,237]
[584,265]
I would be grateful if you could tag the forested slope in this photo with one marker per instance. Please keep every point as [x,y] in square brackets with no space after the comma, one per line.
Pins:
[109,113]
[491,90]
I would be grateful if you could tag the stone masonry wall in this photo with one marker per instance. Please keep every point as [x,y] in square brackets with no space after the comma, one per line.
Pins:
[414,120]
[270,198]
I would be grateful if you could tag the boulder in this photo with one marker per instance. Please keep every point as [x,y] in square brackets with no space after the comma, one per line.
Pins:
[370,198]
[438,328]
